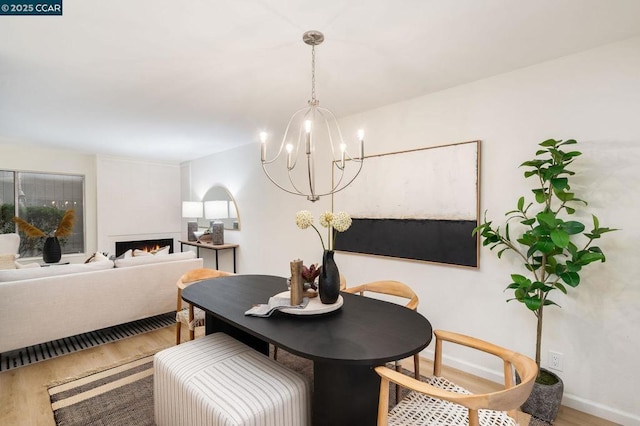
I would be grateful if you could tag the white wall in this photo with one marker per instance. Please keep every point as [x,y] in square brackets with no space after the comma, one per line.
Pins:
[593,97]
[137,200]
[15,156]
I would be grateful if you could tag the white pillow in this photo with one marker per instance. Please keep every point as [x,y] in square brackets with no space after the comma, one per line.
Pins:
[138,253]
[145,260]
[27,265]
[97,257]
[7,261]
[161,251]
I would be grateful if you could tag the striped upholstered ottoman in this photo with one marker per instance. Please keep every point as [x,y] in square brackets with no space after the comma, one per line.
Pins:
[216,380]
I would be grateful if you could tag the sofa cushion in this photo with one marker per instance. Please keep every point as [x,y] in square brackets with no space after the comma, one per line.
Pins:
[52,270]
[145,260]
[27,265]
[7,261]
[9,243]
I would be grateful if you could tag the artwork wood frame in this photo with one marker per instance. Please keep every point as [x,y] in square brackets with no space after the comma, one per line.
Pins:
[420,204]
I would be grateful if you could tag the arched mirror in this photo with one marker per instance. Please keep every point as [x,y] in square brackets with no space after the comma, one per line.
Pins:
[220,206]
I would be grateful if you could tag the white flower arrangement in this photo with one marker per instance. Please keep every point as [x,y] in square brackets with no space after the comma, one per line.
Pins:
[336,222]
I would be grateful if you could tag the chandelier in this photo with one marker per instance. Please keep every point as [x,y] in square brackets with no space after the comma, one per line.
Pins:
[313,134]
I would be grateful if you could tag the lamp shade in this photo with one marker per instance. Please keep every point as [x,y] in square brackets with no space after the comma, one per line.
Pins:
[192,209]
[216,209]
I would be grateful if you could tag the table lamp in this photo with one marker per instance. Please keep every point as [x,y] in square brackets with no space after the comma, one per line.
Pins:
[191,210]
[216,210]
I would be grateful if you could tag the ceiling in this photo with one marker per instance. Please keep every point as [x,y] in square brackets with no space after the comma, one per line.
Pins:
[174,81]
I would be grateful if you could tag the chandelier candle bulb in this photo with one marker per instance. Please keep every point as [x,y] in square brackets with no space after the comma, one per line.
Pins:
[289,160]
[263,147]
[307,136]
[361,138]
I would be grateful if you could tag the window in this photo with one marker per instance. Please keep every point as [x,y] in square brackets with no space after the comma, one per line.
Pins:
[41,200]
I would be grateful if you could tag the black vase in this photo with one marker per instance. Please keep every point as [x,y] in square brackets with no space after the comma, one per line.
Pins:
[51,252]
[329,280]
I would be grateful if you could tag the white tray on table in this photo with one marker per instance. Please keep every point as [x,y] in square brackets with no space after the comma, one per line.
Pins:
[314,307]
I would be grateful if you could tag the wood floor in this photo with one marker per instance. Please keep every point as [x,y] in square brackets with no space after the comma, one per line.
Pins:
[23,391]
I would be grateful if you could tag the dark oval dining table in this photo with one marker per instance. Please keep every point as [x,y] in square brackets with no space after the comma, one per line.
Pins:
[344,345]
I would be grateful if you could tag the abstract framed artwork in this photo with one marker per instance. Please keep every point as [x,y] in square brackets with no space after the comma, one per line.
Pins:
[420,204]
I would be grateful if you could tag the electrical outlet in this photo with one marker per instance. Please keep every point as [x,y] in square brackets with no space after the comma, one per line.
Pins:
[555,360]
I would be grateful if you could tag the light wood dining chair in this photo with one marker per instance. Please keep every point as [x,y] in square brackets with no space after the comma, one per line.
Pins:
[398,289]
[440,401]
[185,312]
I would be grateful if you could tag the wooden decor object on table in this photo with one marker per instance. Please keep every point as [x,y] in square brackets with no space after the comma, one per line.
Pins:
[205,239]
[296,289]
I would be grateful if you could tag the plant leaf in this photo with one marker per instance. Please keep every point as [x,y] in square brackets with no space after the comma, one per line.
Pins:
[588,257]
[566,196]
[560,183]
[560,238]
[533,303]
[571,278]
[549,142]
[572,227]
[541,196]
[521,280]
[548,219]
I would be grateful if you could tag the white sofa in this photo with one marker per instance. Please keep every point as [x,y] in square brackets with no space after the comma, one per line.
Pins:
[42,304]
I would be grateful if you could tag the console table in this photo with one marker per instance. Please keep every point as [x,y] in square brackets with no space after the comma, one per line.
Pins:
[198,245]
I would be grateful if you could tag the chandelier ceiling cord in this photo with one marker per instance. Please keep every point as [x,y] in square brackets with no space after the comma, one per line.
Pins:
[313,127]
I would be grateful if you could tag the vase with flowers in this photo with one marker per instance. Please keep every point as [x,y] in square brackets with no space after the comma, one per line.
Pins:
[51,251]
[309,275]
[329,278]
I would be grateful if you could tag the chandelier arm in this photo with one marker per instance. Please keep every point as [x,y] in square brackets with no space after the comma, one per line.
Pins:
[336,189]
[332,117]
[294,153]
[284,138]
[311,172]
[339,180]
[311,197]
[350,158]
[280,186]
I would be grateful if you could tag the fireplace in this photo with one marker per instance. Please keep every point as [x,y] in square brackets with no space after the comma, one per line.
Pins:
[146,245]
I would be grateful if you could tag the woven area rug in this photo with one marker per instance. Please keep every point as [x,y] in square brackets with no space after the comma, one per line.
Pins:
[118,396]
[55,348]
[123,395]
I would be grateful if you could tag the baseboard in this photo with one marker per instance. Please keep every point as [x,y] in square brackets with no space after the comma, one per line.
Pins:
[600,410]
[569,400]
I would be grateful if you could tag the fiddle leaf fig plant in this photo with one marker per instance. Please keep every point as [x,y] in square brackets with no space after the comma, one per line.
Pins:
[553,249]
